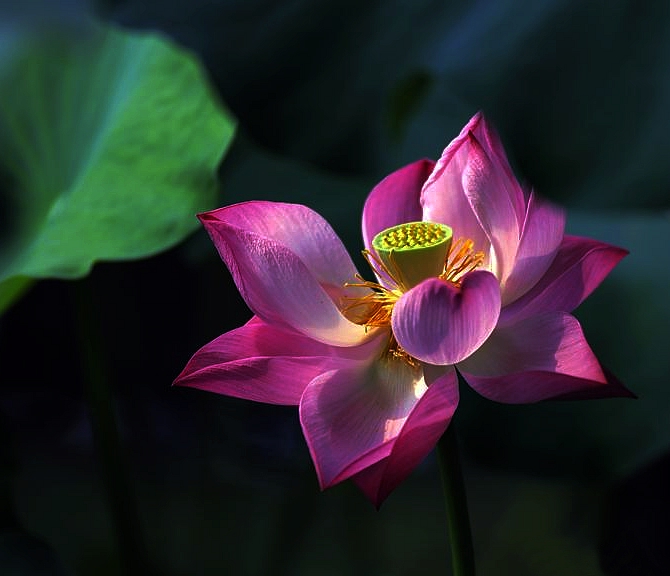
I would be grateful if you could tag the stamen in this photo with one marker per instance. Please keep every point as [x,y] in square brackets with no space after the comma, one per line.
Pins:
[374,309]
[460,260]
[395,351]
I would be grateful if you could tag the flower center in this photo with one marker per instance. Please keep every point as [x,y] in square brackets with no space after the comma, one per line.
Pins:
[414,251]
[404,256]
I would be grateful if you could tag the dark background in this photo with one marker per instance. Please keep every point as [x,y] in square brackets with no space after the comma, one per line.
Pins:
[330,97]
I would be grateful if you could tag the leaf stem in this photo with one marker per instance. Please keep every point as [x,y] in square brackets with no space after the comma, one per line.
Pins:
[460,536]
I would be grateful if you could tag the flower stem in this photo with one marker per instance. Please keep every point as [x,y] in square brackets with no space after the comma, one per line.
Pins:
[460,537]
[121,499]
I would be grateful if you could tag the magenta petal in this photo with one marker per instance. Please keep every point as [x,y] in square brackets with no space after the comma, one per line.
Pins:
[540,239]
[490,141]
[294,227]
[440,323]
[264,363]
[424,426]
[535,386]
[350,417]
[473,190]
[538,358]
[493,197]
[443,198]
[395,199]
[580,265]
[289,266]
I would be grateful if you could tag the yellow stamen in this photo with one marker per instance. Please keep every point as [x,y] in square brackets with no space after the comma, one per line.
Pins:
[395,351]
[460,260]
[374,309]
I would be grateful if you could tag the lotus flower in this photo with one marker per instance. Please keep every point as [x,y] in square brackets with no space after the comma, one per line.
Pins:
[470,274]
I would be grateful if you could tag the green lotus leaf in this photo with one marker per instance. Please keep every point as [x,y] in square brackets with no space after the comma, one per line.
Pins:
[109,145]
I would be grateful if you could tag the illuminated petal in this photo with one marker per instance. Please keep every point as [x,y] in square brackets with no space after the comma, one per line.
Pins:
[264,363]
[423,428]
[443,198]
[490,141]
[350,417]
[289,266]
[492,197]
[473,190]
[439,323]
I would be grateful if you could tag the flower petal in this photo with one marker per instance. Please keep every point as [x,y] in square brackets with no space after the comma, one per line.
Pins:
[350,416]
[473,190]
[490,140]
[439,323]
[540,239]
[289,266]
[580,265]
[264,363]
[538,358]
[395,200]
[536,386]
[424,426]
[443,199]
[295,227]
[493,197]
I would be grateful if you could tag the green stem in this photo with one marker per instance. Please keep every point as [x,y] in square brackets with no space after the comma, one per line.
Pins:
[460,537]
[121,499]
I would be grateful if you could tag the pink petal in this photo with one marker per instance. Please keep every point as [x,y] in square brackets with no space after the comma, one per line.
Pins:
[538,358]
[490,140]
[424,426]
[289,266]
[264,363]
[580,265]
[295,227]
[395,200]
[439,323]
[493,198]
[473,190]
[535,386]
[443,199]
[540,239]
[350,417]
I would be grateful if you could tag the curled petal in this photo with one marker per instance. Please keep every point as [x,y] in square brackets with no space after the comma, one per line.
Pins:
[295,227]
[473,190]
[540,239]
[264,363]
[490,141]
[443,198]
[440,323]
[580,265]
[289,266]
[492,196]
[395,199]
[427,421]
[350,417]
[538,358]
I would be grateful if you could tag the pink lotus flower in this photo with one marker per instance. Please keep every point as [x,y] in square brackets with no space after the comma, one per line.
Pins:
[371,364]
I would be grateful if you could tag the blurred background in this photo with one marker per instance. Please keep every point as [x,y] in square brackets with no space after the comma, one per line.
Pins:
[120,120]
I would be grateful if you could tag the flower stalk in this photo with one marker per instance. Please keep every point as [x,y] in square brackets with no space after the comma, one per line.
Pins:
[458,519]
[120,496]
